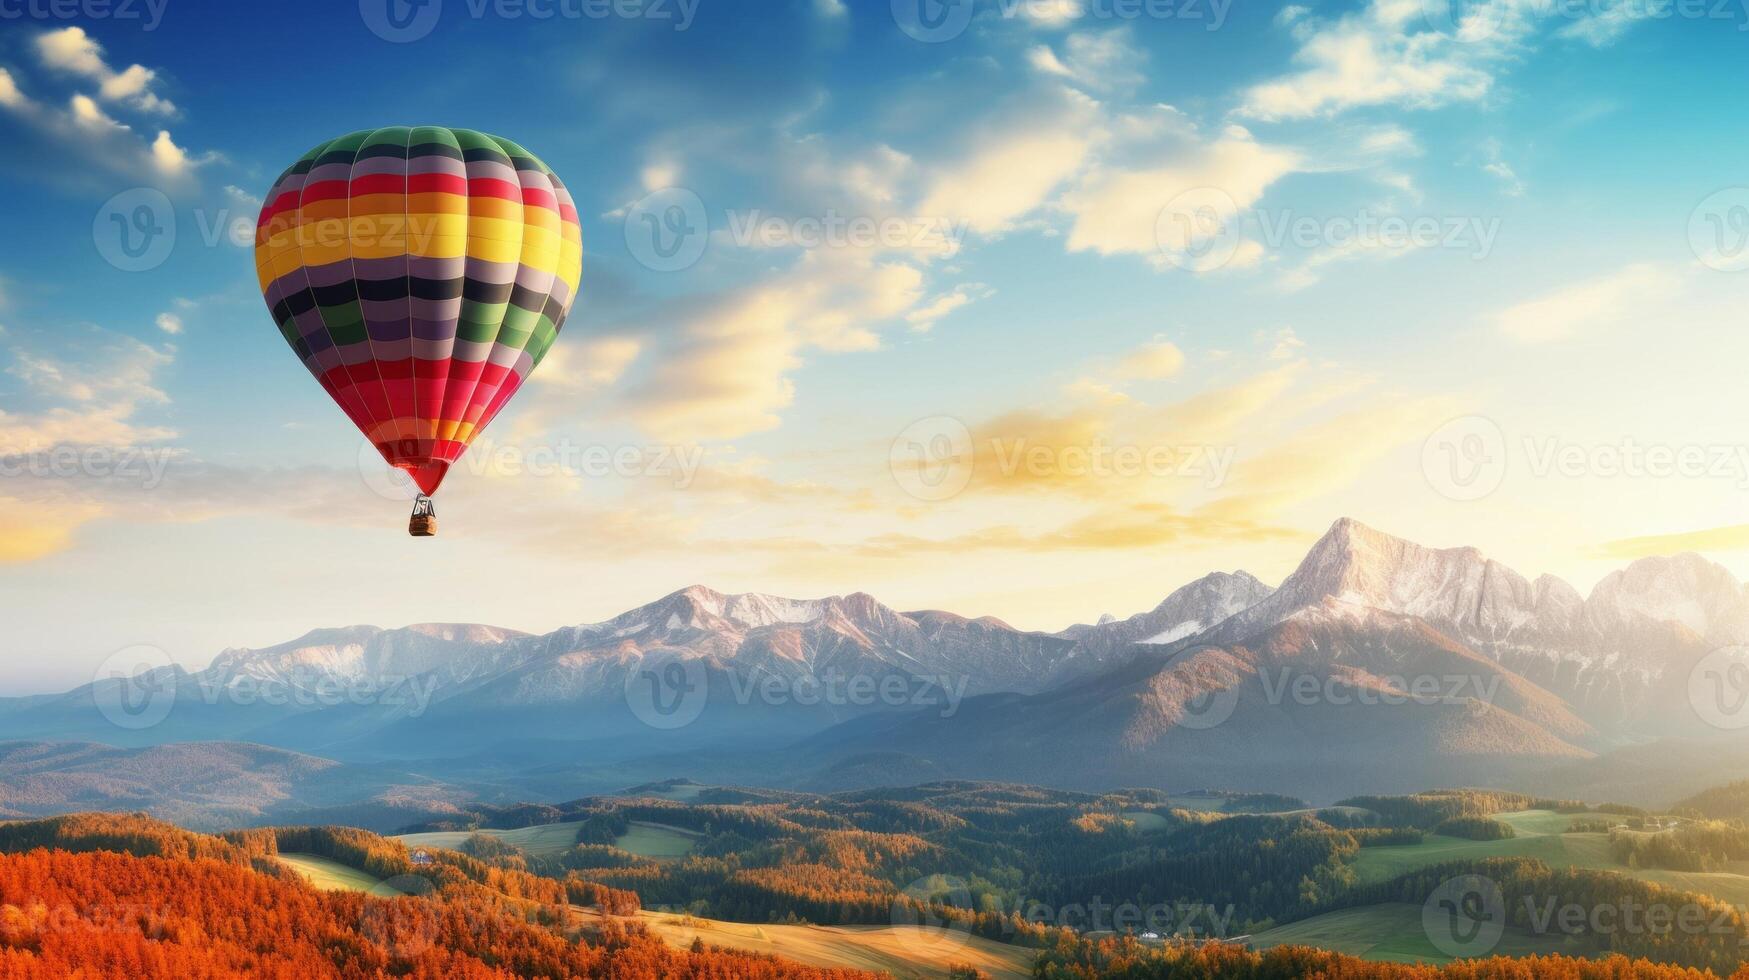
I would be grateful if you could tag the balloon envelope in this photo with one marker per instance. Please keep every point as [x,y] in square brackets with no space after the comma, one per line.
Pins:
[420,274]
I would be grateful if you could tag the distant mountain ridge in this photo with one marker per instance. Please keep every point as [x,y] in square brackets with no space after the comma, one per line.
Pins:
[1559,677]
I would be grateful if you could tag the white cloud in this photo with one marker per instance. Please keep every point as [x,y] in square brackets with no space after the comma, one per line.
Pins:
[89,134]
[1042,58]
[1101,62]
[1417,55]
[1010,175]
[1050,13]
[1612,20]
[1116,210]
[727,372]
[1382,55]
[167,156]
[1286,345]
[10,96]
[87,113]
[659,175]
[242,198]
[91,397]
[73,51]
[924,317]
[1499,168]
[1152,361]
[1571,310]
[830,8]
[170,323]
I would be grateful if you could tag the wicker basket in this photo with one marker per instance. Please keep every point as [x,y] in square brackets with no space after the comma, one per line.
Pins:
[422,525]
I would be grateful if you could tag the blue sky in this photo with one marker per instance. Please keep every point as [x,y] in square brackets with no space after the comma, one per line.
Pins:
[1119,225]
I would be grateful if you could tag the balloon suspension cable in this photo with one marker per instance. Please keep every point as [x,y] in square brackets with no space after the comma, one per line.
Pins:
[423,523]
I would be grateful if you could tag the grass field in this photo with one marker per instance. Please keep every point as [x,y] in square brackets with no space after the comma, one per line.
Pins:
[1207,804]
[1395,933]
[330,875]
[652,840]
[900,950]
[1146,822]
[655,840]
[545,840]
[1540,837]
[903,952]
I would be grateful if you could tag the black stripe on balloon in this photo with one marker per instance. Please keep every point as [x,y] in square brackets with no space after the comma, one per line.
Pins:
[435,150]
[436,289]
[339,294]
[299,301]
[486,292]
[524,298]
[381,290]
[553,310]
[337,156]
[388,290]
[479,153]
[397,151]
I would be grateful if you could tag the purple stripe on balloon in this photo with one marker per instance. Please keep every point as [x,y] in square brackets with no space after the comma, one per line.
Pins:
[491,170]
[437,269]
[437,330]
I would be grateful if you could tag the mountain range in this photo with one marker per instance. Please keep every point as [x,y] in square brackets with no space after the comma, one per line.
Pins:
[1378,665]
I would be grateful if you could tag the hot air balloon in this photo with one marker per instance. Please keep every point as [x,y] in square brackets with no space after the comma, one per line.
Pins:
[420,273]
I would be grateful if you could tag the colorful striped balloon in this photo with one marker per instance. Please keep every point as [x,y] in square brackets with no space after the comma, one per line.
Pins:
[420,274]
